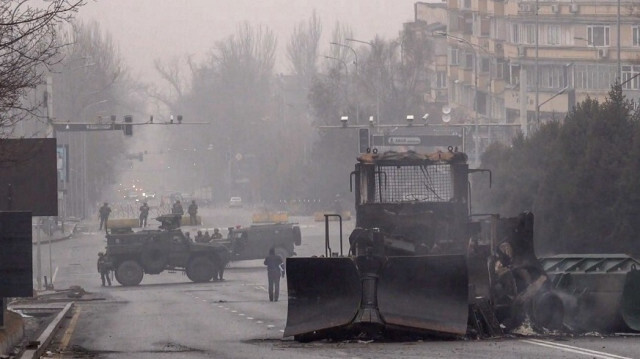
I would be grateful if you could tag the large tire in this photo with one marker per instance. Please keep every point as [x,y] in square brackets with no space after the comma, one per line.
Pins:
[129,273]
[200,269]
[283,253]
[297,236]
[153,258]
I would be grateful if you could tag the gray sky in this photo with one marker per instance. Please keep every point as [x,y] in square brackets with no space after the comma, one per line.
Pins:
[145,30]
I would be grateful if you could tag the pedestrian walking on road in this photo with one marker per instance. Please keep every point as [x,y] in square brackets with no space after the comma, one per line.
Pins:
[144,214]
[104,213]
[103,268]
[193,213]
[275,270]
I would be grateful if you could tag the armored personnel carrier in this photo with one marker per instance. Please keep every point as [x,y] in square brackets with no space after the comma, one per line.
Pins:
[133,254]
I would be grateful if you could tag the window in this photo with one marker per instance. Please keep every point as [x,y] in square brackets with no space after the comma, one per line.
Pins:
[629,72]
[468,61]
[515,33]
[636,36]
[484,64]
[553,35]
[598,35]
[530,34]
[453,56]
[597,76]
[441,79]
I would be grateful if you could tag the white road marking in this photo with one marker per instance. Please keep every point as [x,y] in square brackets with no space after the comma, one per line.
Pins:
[259,322]
[250,318]
[270,326]
[204,300]
[572,349]
[281,330]
[220,306]
[234,311]
[241,314]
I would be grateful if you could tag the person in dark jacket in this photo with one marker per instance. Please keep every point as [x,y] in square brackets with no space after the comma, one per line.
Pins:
[275,270]
[103,268]
[193,213]
[104,213]
[144,214]
[177,208]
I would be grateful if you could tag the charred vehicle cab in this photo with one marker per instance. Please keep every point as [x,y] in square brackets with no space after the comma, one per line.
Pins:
[133,254]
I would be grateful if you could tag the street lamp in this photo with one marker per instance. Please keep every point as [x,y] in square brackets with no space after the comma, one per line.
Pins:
[355,63]
[346,69]
[379,78]
[475,92]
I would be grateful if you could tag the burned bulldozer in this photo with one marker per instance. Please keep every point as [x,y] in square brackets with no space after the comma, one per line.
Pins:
[419,262]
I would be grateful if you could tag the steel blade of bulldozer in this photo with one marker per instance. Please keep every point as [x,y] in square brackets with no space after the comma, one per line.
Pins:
[630,306]
[324,293]
[428,293]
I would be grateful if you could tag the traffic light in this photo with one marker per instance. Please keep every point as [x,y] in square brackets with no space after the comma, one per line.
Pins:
[128,129]
[363,137]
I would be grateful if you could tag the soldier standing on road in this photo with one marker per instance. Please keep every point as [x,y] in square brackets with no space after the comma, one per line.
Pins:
[177,208]
[104,267]
[104,212]
[193,213]
[144,214]
[274,271]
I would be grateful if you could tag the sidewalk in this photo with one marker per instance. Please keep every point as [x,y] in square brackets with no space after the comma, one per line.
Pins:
[58,235]
[15,329]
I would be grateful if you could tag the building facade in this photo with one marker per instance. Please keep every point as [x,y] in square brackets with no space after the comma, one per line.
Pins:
[509,67]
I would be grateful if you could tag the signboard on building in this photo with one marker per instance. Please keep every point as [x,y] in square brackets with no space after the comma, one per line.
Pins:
[29,176]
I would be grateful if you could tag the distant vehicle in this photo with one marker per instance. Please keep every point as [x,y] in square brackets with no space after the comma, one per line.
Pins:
[132,254]
[254,242]
[131,195]
[235,202]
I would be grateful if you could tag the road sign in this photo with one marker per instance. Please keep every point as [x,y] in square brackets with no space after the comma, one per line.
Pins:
[74,127]
[419,140]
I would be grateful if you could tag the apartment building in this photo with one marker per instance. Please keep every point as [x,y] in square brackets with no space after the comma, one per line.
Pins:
[493,48]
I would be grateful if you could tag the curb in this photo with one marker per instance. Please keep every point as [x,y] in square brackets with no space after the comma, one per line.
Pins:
[54,240]
[47,335]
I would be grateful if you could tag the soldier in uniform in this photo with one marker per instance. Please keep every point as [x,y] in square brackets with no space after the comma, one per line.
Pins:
[177,208]
[216,234]
[274,271]
[199,237]
[103,268]
[104,212]
[144,214]
[193,213]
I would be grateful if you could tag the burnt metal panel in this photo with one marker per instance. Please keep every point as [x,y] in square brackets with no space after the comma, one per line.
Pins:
[28,176]
[16,261]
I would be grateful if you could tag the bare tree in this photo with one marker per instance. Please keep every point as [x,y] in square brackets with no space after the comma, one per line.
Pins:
[28,47]
[302,50]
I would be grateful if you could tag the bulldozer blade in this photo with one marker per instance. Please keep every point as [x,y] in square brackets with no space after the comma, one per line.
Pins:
[324,293]
[630,305]
[429,293]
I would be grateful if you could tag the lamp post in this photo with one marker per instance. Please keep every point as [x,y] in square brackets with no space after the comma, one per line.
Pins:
[379,78]
[346,69]
[85,192]
[355,63]
[475,92]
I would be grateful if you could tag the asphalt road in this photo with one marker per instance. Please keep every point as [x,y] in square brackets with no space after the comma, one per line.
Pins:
[167,316]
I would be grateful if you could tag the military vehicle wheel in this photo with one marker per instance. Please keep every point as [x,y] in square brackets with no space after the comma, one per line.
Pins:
[153,258]
[200,269]
[297,236]
[129,273]
[282,253]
